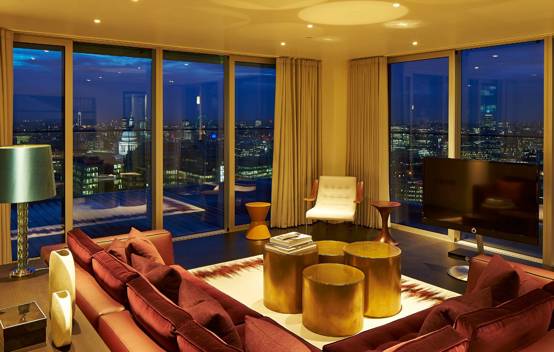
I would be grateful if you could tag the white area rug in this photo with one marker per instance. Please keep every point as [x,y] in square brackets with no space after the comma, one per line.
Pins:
[243,280]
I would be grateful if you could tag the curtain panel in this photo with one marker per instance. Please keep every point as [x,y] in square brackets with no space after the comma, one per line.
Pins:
[6,131]
[297,139]
[367,133]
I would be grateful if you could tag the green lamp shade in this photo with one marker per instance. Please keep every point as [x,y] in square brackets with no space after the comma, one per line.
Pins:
[26,173]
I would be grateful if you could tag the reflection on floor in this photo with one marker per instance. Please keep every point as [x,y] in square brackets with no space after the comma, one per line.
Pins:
[423,258]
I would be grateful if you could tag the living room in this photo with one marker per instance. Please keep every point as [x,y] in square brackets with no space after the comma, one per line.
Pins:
[295,175]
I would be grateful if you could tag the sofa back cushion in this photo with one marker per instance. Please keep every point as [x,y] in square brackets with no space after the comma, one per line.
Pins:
[165,278]
[446,313]
[112,275]
[209,313]
[509,326]
[82,247]
[155,313]
[445,339]
[534,277]
[500,277]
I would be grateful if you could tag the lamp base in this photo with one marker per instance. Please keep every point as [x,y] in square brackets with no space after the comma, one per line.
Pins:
[22,272]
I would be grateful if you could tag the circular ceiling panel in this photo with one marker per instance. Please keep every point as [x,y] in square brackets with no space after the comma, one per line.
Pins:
[352,13]
[267,4]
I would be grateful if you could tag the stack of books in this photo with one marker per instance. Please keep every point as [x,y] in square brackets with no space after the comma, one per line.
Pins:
[292,243]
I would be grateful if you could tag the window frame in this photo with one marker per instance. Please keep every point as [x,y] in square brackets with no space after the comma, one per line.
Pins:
[455,132]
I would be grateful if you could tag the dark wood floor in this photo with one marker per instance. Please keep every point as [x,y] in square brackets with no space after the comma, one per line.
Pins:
[423,258]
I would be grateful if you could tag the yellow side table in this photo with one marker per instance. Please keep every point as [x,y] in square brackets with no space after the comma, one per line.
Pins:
[258,228]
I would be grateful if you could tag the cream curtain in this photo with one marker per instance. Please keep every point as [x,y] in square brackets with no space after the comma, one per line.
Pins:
[368,148]
[297,139]
[6,130]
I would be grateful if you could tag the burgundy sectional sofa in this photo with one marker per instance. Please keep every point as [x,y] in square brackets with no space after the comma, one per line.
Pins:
[521,311]
[130,314]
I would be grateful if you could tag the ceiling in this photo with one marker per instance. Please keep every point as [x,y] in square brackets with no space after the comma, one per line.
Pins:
[342,29]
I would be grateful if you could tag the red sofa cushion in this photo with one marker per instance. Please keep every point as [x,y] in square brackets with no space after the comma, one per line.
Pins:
[163,277]
[236,310]
[262,336]
[501,277]
[446,313]
[155,313]
[445,339]
[207,312]
[82,247]
[509,326]
[138,244]
[117,248]
[112,275]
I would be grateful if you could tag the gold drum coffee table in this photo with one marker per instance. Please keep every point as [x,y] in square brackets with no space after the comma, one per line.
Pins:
[333,299]
[380,262]
[331,251]
[283,279]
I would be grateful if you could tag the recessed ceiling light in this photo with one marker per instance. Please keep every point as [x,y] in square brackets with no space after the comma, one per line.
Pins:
[396,4]
[97,20]
[134,0]
[88,79]
[495,56]
[283,43]
[309,25]
[415,43]
[476,67]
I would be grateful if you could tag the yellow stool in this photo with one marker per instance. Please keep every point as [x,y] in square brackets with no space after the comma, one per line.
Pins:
[258,228]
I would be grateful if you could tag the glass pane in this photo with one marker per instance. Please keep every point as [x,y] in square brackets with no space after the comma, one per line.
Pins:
[38,115]
[502,110]
[112,140]
[418,128]
[193,144]
[254,110]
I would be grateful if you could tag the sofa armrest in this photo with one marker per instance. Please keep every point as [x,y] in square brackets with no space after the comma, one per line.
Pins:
[383,336]
[162,239]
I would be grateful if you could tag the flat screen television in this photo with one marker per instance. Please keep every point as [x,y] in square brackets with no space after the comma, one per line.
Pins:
[488,198]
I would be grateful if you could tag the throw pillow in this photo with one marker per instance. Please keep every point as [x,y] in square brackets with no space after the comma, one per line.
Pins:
[166,279]
[118,249]
[209,313]
[138,244]
[446,313]
[502,279]
[261,335]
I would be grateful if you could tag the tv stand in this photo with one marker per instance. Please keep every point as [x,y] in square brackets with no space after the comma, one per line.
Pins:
[460,272]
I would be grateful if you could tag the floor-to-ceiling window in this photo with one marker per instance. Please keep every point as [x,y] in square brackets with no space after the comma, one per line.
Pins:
[254,110]
[112,138]
[502,109]
[418,97]
[193,143]
[38,118]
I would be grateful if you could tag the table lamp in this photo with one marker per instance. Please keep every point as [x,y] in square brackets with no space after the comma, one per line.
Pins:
[26,175]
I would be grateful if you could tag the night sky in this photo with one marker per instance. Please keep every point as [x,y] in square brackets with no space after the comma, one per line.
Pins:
[105,78]
[517,69]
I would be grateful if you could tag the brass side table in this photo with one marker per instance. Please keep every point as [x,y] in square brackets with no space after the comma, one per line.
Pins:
[380,262]
[333,299]
[257,230]
[331,251]
[283,278]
